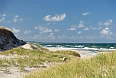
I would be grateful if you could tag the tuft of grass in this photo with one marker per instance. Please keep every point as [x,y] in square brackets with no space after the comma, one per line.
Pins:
[100,66]
[3,28]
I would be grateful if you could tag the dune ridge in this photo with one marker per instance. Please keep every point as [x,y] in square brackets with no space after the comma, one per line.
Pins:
[8,39]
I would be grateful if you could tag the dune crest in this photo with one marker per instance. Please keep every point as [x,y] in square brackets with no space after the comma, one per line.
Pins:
[8,39]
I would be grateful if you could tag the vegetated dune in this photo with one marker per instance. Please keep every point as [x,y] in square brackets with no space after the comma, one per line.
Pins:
[8,39]
[100,66]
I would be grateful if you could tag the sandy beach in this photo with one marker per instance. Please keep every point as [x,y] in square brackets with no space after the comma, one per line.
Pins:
[83,53]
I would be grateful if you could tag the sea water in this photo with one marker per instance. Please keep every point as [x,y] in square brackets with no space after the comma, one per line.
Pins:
[81,46]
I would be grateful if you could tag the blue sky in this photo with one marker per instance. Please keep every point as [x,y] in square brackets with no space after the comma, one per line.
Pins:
[60,20]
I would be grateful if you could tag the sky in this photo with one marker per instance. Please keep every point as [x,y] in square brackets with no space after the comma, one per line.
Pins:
[78,21]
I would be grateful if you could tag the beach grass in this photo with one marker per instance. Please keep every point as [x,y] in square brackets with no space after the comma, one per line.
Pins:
[100,66]
[21,58]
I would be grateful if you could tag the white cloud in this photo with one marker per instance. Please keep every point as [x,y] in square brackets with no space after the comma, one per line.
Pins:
[86,13]
[56,30]
[3,15]
[27,32]
[21,19]
[72,28]
[57,17]
[95,28]
[15,20]
[36,27]
[43,29]
[109,22]
[106,31]
[79,32]
[2,19]
[15,31]
[35,36]
[51,36]
[81,24]
[44,37]
[16,16]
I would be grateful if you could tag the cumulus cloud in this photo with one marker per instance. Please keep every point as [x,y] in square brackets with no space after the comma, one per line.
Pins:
[86,13]
[27,32]
[72,28]
[81,24]
[43,29]
[57,17]
[109,22]
[14,30]
[106,31]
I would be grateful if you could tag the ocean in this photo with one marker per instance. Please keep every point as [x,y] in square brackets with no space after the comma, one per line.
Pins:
[81,46]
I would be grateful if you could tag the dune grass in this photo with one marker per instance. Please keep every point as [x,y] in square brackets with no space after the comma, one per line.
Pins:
[20,57]
[100,66]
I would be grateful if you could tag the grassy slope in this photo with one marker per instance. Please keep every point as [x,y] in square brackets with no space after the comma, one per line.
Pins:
[32,58]
[101,66]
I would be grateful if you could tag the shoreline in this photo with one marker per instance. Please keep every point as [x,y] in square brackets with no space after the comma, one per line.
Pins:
[83,53]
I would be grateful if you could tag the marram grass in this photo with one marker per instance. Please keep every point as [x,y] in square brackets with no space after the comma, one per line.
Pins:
[100,66]
[20,57]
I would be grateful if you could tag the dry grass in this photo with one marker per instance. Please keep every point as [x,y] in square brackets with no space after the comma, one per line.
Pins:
[100,66]
[20,57]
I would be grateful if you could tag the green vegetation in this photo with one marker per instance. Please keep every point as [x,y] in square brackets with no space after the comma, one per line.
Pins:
[100,66]
[21,58]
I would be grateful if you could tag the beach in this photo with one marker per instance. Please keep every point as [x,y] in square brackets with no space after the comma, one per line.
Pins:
[15,73]
[83,53]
